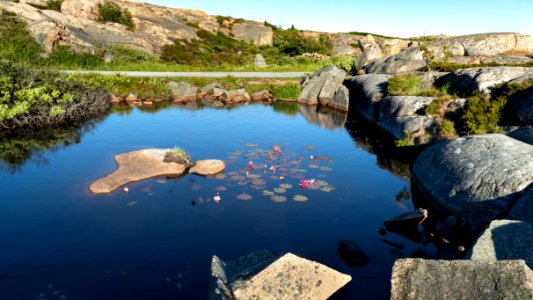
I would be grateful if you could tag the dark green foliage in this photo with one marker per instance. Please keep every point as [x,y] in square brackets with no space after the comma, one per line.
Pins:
[16,44]
[111,12]
[274,27]
[177,155]
[293,43]
[31,100]
[447,129]
[123,55]
[483,114]
[212,49]
[193,24]
[54,4]
[221,19]
[287,108]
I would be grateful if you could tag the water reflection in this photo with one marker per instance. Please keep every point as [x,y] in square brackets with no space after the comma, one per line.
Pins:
[323,116]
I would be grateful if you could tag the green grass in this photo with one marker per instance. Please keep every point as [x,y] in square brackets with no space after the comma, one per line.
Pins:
[287,92]
[405,85]
[16,44]
[109,11]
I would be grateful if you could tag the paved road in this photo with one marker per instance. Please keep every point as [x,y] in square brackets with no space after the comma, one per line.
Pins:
[196,74]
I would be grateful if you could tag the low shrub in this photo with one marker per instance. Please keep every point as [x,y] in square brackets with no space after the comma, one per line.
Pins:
[112,12]
[177,155]
[31,100]
[54,4]
[64,57]
[404,85]
[483,114]
[446,129]
[16,43]
[286,91]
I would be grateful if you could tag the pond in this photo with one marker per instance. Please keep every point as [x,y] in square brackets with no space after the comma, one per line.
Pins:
[59,241]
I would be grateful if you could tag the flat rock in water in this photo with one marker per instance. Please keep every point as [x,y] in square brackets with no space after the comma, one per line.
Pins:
[505,240]
[475,178]
[352,254]
[207,167]
[292,277]
[136,166]
[461,279]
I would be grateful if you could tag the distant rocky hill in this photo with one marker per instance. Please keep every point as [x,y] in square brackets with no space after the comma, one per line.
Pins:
[76,24]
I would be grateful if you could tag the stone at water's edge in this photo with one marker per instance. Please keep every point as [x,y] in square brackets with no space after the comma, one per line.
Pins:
[341,100]
[461,279]
[330,77]
[136,166]
[475,178]
[331,85]
[183,91]
[505,240]
[292,277]
[207,167]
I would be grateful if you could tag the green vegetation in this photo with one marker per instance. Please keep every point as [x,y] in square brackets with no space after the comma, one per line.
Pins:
[111,12]
[286,92]
[373,34]
[33,100]
[177,155]
[405,85]
[483,114]
[291,42]
[287,108]
[446,129]
[407,141]
[54,4]
[16,44]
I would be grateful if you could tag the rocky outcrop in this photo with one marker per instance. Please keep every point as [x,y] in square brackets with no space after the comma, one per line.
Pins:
[521,106]
[321,86]
[341,99]
[207,167]
[155,26]
[136,166]
[346,44]
[292,277]
[366,93]
[505,240]
[523,209]
[475,178]
[183,91]
[371,51]
[499,48]
[482,79]
[524,134]
[461,279]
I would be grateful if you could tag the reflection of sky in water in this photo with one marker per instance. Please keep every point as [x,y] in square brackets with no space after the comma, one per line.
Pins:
[135,245]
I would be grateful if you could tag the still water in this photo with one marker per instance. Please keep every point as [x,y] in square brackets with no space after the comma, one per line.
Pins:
[59,241]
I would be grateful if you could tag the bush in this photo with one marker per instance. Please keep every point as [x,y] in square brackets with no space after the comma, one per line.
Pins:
[31,100]
[177,155]
[123,55]
[482,114]
[111,12]
[16,43]
[54,4]
[286,91]
[447,129]
[293,43]
[64,57]
[344,62]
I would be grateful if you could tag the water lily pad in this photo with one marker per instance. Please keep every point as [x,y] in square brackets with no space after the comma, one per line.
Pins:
[254,176]
[251,145]
[279,199]
[268,193]
[313,166]
[285,186]
[310,148]
[313,187]
[244,197]
[233,173]
[327,189]
[325,169]
[321,183]
[259,182]
[300,198]
[238,177]
[233,157]
[161,180]
[132,203]
[195,186]
[220,176]
[280,190]
[258,187]
[241,183]
[221,188]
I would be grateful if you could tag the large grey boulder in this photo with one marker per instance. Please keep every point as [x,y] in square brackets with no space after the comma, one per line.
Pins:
[409,60]
[322,86]
[523,209]
[416,126]
[475,178]
[483,79]
[366,93]
[505,240]
[341,100]
[260,61]
[461,279]
[183,91]
[256,32]
[402,106]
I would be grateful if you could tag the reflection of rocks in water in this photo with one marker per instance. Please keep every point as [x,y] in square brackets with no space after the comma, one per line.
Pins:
[369,138]
[325,116]
[17,150]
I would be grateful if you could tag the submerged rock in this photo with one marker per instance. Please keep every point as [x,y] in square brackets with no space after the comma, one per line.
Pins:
[207,167]
[475,178]
[352,254]
[461,279]
[136,166]
[505,240]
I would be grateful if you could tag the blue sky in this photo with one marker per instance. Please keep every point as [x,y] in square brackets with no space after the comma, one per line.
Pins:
[388,17]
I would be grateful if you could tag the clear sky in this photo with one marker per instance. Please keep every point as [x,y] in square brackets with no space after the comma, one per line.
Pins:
[388,17]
